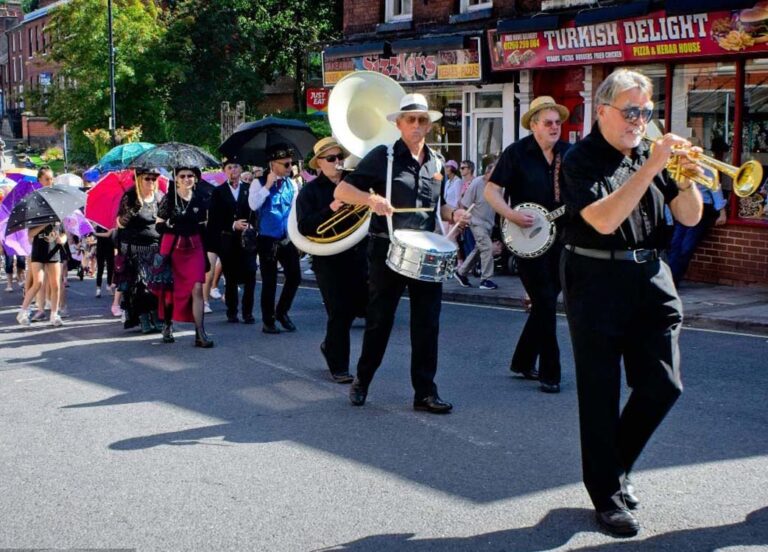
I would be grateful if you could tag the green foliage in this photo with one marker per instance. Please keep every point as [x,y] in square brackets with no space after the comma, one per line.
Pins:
[175,65]
[29,5]
[80,46]
[52,154]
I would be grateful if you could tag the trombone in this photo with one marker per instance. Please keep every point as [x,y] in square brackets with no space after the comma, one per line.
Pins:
[746,179]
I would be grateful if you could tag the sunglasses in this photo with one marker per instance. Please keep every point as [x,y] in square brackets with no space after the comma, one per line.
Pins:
[632,114]
[334,158]
[287,164]
[185,176]
[550,123]
[463,167]
[149,178]
[410,119]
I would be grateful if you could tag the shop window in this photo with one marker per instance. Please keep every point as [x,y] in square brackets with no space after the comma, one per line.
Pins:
[445,136]
[754,137]
[399,10]
[703,99]
[472,5]
[488,100]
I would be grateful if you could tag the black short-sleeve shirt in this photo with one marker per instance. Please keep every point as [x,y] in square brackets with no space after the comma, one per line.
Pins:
[413,185]
[526,175]
[592,170]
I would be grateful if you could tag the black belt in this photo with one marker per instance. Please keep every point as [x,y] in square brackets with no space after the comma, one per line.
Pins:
[634,255]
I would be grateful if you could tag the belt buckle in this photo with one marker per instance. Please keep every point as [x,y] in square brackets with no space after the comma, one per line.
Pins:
[637,259]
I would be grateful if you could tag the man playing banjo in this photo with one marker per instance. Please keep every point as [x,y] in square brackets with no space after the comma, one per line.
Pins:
[529,172]
[417,181]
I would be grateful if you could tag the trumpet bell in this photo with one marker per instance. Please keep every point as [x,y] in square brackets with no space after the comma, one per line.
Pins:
[358,107]
[748,178]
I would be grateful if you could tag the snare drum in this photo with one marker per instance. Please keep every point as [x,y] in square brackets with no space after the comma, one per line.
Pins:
[424,256]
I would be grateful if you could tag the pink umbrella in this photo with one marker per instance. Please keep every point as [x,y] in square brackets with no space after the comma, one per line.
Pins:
[217,178]
[103,200]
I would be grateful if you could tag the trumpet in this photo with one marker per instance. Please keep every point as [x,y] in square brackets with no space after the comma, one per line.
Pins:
[746,179]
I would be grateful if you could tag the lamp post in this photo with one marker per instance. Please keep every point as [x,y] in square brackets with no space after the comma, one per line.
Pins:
[112,119]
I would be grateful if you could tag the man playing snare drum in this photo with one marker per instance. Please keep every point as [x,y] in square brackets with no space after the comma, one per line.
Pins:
[417,181]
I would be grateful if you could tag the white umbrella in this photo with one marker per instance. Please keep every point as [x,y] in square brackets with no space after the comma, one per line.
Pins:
[69,179]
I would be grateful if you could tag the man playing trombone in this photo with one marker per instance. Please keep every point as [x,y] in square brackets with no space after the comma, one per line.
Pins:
[417,181]
[620,299]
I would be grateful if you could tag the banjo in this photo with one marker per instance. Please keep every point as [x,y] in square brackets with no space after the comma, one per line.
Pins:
[535,240]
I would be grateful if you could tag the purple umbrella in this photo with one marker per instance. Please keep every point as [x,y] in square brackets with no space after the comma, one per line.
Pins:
[16,243]
[77,224]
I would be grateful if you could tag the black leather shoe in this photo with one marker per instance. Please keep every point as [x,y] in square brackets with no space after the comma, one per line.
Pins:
[433,404]
[549,387]
[342,377]
[532,374]
[168,333]
[202,339]
[286,323]
[233,319]
[628,493]
[358,393]
[270,328]
[249,320]
[618,522]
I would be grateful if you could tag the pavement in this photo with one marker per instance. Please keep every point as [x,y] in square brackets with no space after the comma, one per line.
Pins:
[707,306]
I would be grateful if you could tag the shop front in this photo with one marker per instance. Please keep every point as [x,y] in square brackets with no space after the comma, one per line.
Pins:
[710,76]
[449,72]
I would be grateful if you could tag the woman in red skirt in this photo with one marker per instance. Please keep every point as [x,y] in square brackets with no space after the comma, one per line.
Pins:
[181,219]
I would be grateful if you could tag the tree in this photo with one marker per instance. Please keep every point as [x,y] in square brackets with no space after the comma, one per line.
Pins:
[81,95]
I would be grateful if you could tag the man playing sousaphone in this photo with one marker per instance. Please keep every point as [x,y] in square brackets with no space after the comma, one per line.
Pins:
[417,181]
[342,277]
[620,299]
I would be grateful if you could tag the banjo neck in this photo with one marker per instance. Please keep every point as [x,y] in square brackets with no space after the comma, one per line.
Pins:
[557,213]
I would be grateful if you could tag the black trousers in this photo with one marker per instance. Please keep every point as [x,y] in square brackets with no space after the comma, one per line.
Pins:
[238,268]
[271,251]
[385,287]
[541,279]
[343,283]
[105,256]
[620,310]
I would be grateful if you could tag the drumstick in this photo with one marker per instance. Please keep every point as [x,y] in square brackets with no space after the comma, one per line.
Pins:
[412,209]
[450,233]
[406,209]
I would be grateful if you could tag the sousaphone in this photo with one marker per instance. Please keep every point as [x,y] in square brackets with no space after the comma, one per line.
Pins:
[357,112]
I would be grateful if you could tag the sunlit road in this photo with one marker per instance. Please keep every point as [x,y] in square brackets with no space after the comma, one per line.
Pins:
[111,439]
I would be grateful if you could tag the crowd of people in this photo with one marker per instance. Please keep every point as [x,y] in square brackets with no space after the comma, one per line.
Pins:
[620,295]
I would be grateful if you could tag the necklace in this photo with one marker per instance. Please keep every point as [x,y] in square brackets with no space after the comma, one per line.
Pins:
[183,204]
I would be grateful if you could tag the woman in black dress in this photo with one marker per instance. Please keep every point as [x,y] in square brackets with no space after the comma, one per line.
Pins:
[138,241]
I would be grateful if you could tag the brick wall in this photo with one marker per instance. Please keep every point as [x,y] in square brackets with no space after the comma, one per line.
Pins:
[362,16]
[39,132]
[434,12]
[732,255]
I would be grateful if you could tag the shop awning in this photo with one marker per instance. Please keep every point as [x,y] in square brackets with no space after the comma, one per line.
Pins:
[429,44]
[528,24]
[680,7]
[612,13]
[352,50]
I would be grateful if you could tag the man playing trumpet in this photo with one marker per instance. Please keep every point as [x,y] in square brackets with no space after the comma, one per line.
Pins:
[620,299]
[417,181]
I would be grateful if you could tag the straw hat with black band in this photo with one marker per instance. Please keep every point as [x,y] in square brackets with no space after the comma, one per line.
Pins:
[539,104]
[322,147]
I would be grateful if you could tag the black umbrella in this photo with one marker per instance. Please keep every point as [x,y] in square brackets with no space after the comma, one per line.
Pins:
[45,206]
[174,154]
[249,142]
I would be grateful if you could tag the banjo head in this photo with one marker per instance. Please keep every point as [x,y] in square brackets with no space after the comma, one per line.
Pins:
[532,241]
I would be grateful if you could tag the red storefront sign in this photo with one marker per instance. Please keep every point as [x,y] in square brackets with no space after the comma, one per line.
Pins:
[654,37]
[317,101]
[411,67]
